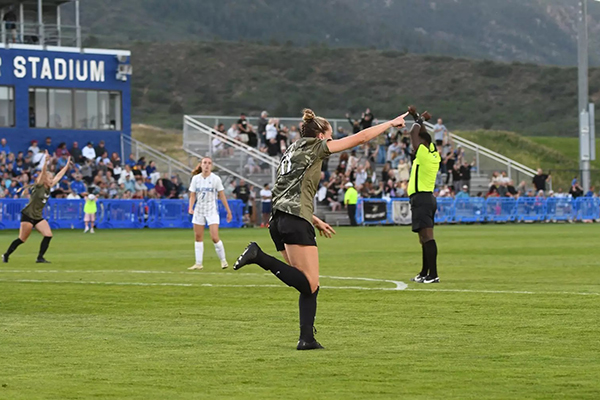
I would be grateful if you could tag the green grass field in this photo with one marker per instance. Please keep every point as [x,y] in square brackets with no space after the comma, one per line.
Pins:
[118,316]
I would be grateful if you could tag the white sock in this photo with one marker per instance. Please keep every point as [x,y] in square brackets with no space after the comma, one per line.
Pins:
[220,249]
[199,247]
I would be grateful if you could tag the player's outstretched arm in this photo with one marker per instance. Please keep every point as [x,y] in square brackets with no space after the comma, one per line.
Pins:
[46,160]
[61,173]
[335,146]
[223,199]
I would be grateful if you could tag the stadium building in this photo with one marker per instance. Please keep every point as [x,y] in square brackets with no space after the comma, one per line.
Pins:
[51,86]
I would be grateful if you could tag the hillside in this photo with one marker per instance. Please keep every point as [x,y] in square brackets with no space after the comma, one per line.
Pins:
[540,31]
[558,155]
[228,78]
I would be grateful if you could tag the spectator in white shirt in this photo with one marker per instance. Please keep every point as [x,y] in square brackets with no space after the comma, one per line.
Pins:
[394,148]
[266,196]
[127,172]
[89,152]
[217,147]
[39,159]
[233,132]
[271,130]
[104,158]
[34,147]
[439,132]
[361,176]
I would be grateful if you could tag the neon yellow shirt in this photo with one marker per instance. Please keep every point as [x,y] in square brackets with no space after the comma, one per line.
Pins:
[424,170]
[351,196]
[90,207]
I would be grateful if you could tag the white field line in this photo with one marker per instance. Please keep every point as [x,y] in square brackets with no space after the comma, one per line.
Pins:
[399,285]
[179,284]
[502,291]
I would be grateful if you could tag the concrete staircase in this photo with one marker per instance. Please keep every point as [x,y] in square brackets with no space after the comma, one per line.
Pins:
[198,136]
[232,157]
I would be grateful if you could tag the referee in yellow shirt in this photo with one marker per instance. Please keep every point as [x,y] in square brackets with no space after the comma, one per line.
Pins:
[426,163]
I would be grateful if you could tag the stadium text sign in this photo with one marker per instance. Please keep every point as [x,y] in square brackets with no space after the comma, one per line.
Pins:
[57,69]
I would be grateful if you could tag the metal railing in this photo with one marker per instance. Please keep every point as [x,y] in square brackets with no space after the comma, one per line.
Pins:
[44,35]
[231,156]
[486,161]
[164,163]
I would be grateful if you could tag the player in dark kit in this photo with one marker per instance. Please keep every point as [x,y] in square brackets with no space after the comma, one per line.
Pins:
[292,219]
[31,215]
[426,163]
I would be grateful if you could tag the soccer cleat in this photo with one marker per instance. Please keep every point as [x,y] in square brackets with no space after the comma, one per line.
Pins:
[86,230]
[4,258]
[418,279]
[304,345]
[42,260]
[247,257]
[92,230]
[196,267]
[224,265]
[429,279]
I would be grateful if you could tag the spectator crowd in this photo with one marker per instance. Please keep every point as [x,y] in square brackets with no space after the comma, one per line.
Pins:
[94,170]
[378,169]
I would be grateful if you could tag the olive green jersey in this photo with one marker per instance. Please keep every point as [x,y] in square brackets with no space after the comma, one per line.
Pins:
[298,177]
[37,201]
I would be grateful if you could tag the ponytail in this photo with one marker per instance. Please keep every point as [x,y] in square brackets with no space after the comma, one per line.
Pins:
[197,170]
[312,125]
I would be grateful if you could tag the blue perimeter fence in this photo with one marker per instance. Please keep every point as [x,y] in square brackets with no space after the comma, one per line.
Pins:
[477,209]
[115,214]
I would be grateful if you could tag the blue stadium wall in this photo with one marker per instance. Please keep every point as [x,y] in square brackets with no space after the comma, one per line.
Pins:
[22,76]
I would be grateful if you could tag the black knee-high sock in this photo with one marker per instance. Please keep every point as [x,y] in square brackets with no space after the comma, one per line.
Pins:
[307,303]
[425,266]
[44,246]
[431,250]
[13,246]
[287,274]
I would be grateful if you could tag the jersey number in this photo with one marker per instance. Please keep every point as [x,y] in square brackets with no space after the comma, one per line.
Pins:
[286,164]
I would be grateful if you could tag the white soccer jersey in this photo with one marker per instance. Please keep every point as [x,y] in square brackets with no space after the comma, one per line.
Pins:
[206,190]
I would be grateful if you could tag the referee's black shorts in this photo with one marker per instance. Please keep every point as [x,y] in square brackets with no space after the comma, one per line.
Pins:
[289,229]
[423,206]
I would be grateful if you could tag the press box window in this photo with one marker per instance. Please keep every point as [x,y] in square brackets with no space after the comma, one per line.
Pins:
[7,106]
[51,108]
[97,110]
[78,109]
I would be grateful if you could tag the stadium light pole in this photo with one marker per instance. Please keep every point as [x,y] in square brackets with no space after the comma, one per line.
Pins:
[587,140]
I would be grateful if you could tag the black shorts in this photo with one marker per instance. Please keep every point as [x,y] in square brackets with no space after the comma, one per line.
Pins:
[26,218]
[423,207]
[289,229]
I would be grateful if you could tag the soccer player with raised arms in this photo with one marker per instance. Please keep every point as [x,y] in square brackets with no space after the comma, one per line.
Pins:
[32,214]
[292,218]
[426,163]
[204,190]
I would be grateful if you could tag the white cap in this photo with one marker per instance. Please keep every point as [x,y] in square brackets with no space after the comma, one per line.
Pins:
[465,187]
[349,184]
[92,197]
